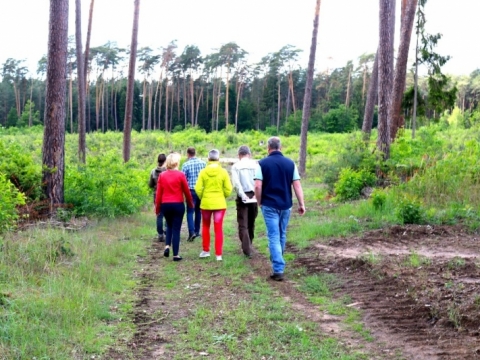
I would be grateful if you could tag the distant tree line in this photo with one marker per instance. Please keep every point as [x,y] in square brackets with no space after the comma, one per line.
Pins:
[176,89]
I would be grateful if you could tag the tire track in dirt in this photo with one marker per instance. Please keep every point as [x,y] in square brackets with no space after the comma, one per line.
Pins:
[430,311]
[148,313]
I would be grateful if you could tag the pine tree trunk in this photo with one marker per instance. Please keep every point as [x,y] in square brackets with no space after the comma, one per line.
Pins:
[385,74]
[166,103]
[307,100]
[226,95]
[415,92]
[87,43]
[80,82]
[396,119]
[130,84]
[70,97]
[372,96]
[143,103]
[30,110]
[347,97]
[278,104]
[53,150]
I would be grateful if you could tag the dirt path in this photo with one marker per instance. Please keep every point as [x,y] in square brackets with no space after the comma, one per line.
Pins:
[417,288]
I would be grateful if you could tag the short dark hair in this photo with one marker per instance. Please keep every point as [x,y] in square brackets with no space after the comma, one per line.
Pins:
[244,150]
[274,143]
[161,159]
[191,151]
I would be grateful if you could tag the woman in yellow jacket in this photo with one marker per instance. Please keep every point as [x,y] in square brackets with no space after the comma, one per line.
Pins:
[213,187]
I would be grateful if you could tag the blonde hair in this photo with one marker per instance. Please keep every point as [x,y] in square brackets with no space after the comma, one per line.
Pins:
[173,160]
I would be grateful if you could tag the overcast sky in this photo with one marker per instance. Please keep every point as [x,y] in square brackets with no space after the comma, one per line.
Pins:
[348,28]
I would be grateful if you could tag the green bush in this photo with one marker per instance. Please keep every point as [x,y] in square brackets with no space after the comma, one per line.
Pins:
[10,198]
[19,167]
[409,210]
[378,198]
[106,186]
[351,182]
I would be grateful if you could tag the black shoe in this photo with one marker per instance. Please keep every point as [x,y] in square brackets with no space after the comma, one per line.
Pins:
[177,258]
[161,238]
[166,252]
[277,276]
[191,237]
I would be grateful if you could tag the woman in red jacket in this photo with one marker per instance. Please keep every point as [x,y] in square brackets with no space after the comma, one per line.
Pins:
[171,188]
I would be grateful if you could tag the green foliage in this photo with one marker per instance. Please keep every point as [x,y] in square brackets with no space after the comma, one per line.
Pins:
[18,165]
[341,119]
[106,186]
[293,125]
[27,113]
[409,210]
[351,153]
[12,118]
[351,182]
[10,198]
[378,198]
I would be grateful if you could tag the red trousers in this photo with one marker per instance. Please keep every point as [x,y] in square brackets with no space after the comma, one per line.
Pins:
[217,228]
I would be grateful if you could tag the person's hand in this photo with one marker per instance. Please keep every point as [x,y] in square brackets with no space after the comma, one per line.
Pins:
[301,209]
[244,198]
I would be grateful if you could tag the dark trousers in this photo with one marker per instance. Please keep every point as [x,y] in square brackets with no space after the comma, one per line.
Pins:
[246,215]
[193,222]
[173,213]
[160,230]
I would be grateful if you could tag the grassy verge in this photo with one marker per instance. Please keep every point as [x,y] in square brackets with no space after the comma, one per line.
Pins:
[62,294]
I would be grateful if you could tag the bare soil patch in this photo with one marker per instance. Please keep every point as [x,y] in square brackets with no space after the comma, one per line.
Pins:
[418,286]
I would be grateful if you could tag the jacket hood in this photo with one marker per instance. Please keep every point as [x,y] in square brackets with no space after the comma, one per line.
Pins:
[158,170]
[213,168]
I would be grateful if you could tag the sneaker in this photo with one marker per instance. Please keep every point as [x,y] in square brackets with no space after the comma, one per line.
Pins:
[191,236]
[161,238]
[177,258]
[204,254]
[277,276]
[219,257]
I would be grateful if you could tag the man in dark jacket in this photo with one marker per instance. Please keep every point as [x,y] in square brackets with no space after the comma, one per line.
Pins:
[274,179]
[152,183]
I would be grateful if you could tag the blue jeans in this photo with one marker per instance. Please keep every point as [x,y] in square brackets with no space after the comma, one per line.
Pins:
[173,213]
[194,225]
[276,222]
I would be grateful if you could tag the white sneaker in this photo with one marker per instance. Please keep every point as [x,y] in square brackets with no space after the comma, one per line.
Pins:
[204,254]
[219,257]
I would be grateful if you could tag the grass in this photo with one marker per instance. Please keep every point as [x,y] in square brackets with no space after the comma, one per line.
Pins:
[65,290]
[71,294]
[415,260]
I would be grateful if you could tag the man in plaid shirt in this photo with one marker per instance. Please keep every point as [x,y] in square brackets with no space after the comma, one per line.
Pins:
[191,168]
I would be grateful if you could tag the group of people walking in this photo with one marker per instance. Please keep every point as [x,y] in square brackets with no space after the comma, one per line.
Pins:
[204,188]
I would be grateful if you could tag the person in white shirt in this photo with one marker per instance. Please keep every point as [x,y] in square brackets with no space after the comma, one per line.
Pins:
[243,173]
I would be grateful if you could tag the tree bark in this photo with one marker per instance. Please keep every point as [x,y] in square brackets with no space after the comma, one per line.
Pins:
[127,130]
[395,113]
[53,150]
[307,100]
[87,43]
[372,96]
[385,74]
[80,82]
[415,91]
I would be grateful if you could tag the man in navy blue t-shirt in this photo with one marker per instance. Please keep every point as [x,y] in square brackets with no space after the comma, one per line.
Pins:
[274,179]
